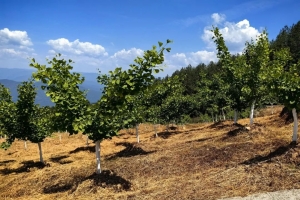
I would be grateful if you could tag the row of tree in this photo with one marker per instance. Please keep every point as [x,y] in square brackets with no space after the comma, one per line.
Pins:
[72,111]
[233,84]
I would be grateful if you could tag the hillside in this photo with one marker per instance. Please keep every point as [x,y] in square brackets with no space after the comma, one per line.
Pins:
[11,78]
[198,161]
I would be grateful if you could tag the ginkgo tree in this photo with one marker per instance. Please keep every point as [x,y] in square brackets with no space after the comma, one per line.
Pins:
[244,72]
[28,121]
[256,59]
[106,118]
[7,114]
[284,81]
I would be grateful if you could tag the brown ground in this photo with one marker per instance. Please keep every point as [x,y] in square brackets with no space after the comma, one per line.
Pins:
[202,161]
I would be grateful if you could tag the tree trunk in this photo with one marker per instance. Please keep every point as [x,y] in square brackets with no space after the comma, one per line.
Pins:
[41,153]
[137,133]
[25,145]
[252,113]
[155,131]
[59,137]
[98,149]
[224,117]
[235,116]
[272,107]
[295,132]
[87,140]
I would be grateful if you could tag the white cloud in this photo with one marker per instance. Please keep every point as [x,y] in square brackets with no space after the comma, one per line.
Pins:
[128,54]
[178,60]
[8,37]
[15,44]
[218,18]
[77,47]
[84,62]
[51,51]
[13,53]
[235,34]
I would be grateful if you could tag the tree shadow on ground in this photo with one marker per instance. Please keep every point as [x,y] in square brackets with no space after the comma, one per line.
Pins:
[129,151]
[89,149]
[197,129]
[6,161]
[219,125]
[167,134]
[57,188]
[60,159]
[201,139]
[27,165]
[107,179]
[237,129]
[277,152]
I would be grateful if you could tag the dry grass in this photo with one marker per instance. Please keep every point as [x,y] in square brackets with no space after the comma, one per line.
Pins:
[202,161]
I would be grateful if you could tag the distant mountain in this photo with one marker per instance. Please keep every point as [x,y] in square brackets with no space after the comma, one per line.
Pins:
[11,78]
[41,97]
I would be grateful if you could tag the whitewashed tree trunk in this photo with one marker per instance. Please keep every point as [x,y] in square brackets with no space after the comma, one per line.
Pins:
[41,153]
[155,130]
[25,145]
[252,112]
[59,137]
[98,149]
[272,107]
[137,133]
[235,116]
[224,117]
[295,131]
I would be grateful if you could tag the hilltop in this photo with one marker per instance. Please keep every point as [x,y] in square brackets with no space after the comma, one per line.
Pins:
[196,161]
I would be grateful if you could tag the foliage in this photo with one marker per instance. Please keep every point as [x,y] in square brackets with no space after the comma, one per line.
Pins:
[24,120]
[284,82]
[7,111]
[62,87]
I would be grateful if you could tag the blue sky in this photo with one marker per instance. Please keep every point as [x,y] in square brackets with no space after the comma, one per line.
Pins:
[104,34]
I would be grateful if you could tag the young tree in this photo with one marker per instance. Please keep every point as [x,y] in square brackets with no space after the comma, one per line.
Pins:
[284,81]
[7,114]
[257,58]
[106,118]
[30,122]
[244,72]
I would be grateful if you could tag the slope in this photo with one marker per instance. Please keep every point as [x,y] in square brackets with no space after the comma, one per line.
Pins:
[198,161]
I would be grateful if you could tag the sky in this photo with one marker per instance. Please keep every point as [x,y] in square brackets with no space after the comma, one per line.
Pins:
[105,34]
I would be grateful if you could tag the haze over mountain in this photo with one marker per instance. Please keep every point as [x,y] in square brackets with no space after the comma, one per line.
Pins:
[11,78]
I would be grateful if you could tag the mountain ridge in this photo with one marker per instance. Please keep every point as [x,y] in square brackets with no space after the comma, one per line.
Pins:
[12,77]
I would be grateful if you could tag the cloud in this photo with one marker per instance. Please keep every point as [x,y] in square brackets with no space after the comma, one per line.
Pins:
[77,47]
[218,18]
[15,44]
[234,12]
[235,34]
[178,60]
[128,54]
[19,38]
[52,52]
[84,62]
[13,53]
